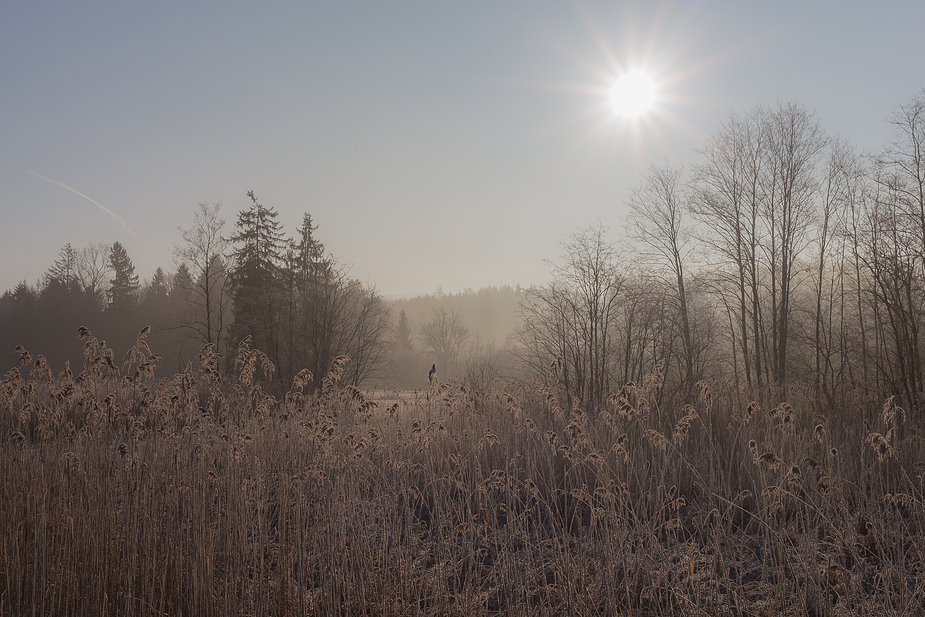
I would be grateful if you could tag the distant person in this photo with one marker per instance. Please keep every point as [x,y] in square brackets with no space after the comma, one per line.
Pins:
[432,375]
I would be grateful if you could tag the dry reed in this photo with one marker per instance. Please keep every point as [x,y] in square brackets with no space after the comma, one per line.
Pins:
[195,494]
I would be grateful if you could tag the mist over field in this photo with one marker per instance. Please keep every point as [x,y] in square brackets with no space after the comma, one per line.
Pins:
[591,309]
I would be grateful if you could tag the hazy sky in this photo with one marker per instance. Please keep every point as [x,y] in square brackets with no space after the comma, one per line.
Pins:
[451,144]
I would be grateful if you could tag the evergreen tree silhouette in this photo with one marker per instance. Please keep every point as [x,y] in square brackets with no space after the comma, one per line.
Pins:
[123,288]
[256,277]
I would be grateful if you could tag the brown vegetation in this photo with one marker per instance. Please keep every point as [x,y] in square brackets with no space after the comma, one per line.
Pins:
[205,495]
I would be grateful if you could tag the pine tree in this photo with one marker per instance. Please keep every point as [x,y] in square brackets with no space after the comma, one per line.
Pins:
[155,293]
[261,238]
[181,281]
[403,333]
[62,278]
[20,318]
[256,277]
[62,307]
[123,288]
[158,286]
[406,362]
[155,309]
[320,311]
[310,252]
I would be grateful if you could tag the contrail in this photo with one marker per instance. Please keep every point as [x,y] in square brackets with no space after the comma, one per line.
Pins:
[122,224]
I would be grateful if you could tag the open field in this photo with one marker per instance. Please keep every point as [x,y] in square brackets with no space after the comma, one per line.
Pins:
[122,495]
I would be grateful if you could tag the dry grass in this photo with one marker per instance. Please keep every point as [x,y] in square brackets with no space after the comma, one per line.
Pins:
[199,496]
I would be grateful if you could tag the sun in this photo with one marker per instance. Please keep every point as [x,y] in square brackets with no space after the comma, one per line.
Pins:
[633,94]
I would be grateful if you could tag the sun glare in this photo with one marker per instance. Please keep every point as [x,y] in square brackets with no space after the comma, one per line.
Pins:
[633,94]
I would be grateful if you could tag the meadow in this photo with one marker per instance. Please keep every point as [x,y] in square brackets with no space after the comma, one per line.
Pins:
[124,494]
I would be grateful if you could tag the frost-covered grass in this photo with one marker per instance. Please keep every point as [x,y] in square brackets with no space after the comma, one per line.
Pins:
[200,495]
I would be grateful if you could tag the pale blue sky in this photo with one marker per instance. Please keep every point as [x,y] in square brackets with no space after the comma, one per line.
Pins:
[435,143]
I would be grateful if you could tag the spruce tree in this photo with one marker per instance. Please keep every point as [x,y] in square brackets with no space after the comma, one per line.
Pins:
[123,287]
[321,309]
[256,277]
[158,286]
[181,282]
[62,307]
[403,333]
[62,278]
[310,252]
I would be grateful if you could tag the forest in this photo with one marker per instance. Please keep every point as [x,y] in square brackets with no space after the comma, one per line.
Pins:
[718,408]
[293,300]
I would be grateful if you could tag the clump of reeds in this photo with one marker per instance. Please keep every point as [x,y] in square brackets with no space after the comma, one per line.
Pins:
[203,494]
[881,446]
[683,426]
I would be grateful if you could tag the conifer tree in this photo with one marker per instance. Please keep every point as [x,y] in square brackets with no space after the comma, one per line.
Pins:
[158,286]
[317,300]
[62,306]
[406,363]
[256,277]
[181,281]
[403,333]
[311,262]
[62,278]
[123,288]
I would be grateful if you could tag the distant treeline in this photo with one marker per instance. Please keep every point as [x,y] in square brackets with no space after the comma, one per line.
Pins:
[781,260]
[295,303]
[465,334]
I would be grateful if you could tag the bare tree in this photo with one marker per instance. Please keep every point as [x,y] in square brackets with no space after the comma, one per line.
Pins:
[93,270]
[331,315]
[891,256]
[899,174]
[839,195]
[854,231]
[901,166]
[444,336]
[636,327]
[657,222]
[367,328]
[204,251]
[795,140]
[726,199]
[571,320]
